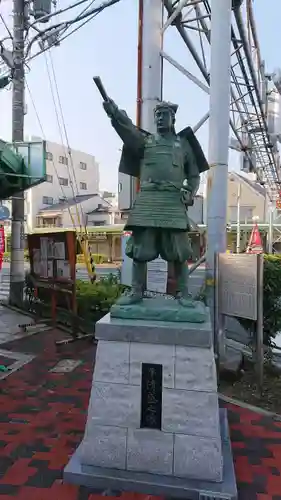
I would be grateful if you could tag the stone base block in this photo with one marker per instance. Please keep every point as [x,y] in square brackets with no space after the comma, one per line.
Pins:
[158,483]
[186,444]
[153,420]
[155,332]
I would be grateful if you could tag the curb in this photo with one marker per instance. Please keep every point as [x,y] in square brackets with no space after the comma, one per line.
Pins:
[255,409]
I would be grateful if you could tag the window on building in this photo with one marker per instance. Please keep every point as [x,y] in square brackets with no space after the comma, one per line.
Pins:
[83,185]
[49,178]
[48,200]
[246,214]
[63,160]
[63,181]
[99,223]
[83,165]
[49,156]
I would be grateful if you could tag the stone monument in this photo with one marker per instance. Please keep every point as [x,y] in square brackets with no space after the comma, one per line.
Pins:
[154,425]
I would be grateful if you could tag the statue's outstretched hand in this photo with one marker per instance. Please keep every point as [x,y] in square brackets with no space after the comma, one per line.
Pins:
[109,107]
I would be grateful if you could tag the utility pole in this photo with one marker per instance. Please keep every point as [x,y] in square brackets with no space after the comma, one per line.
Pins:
[238,234]
[218,153]
[18,102]
[218,133]
[151,67]
[270,229]
[150,72]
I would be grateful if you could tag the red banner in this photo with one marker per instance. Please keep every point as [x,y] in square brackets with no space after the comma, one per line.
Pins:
[2,245]
[2,239]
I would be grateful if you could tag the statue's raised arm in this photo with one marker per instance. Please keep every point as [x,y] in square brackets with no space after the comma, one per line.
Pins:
[132,136]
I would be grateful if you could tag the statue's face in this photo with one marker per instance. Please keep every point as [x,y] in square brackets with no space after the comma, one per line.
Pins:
[163,120]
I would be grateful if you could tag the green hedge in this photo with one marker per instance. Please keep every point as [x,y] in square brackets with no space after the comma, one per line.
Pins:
[98,258]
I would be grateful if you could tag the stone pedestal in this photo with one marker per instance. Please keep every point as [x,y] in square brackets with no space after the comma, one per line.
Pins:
[183,448]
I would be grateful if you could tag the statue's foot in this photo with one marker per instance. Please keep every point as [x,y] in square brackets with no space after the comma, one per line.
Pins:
[130,299]
[186,301]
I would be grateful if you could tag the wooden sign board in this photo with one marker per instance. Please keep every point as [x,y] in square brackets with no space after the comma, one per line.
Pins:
[53,268]
[53,256]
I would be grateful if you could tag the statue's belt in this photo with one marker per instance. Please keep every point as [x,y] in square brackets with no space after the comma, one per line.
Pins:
[159,186]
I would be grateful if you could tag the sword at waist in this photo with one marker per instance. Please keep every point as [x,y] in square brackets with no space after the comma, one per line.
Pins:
[150,185]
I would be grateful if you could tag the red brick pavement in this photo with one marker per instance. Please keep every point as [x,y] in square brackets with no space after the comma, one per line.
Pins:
[42,418]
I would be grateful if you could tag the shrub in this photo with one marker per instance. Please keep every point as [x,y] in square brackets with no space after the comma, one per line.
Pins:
[271,301]
[7,256]
[94,300]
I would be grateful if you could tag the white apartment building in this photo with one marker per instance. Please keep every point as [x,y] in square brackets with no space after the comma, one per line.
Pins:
[60,183]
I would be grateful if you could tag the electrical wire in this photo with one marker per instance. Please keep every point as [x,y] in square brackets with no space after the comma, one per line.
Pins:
[78,16]
[83,244]
[65,24]
[83,236]
[44,50]
[47,17]
[6,26]
[43,134]
[84,240]
[61,117]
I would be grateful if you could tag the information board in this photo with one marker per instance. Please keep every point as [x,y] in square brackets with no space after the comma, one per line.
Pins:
[53,270]
[157,275]
[52,256]
[238,285]
[240,294]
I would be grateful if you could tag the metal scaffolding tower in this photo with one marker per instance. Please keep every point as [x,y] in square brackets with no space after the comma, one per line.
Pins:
[233,74]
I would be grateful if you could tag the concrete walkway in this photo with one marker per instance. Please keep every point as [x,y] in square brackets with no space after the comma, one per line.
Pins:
[14,325]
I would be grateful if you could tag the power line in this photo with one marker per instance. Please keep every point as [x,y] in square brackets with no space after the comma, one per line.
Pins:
[62,117]
[61,11]
[66,24]
[64,126]
[79,15]
[42,131]
[89,261]
[6,26]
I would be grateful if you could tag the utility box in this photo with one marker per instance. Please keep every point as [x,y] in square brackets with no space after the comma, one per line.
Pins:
[274,115]
[42,8]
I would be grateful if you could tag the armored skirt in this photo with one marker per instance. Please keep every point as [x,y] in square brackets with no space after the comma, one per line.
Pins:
[159,225]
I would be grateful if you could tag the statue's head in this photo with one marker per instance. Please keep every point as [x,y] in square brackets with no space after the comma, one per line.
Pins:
[165,117]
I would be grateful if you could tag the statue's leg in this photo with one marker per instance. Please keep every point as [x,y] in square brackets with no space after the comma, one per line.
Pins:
[141,248]
[176,248]
[138,284]
[182,277]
